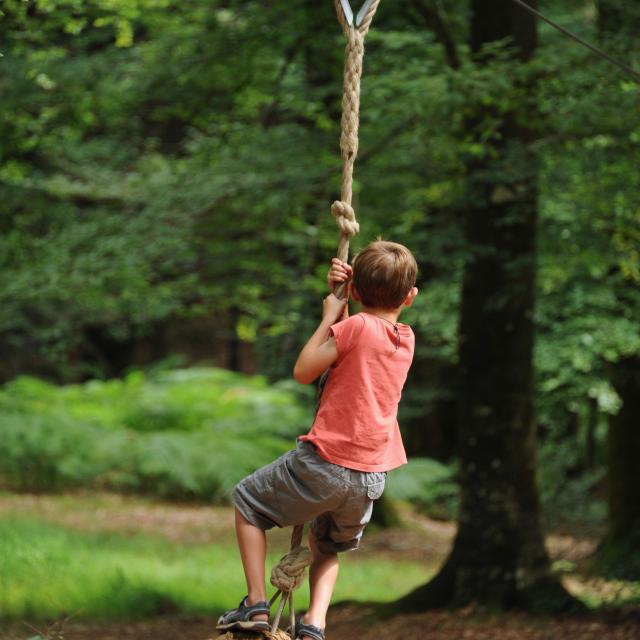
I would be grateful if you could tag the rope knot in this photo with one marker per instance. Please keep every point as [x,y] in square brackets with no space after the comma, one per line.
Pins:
[345,217]
[288,574]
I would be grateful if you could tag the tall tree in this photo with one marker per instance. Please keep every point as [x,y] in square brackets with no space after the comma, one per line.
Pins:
[618,23]
[498,555]
[620,551]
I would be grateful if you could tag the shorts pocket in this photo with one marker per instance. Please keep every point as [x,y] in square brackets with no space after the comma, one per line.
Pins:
[375,490]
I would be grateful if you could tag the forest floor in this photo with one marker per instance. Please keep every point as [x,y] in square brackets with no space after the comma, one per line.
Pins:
[347,622]
[420,540]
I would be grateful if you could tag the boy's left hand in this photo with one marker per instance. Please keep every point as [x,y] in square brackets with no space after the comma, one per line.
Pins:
[333,308]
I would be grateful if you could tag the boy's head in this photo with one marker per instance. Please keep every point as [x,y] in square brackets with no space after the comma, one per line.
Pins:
[384,274]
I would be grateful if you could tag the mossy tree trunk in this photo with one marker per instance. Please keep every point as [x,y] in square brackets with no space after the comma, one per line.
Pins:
[498,557]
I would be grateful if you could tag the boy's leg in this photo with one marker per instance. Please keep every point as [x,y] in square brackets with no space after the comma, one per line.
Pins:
[323,574]
[252,543]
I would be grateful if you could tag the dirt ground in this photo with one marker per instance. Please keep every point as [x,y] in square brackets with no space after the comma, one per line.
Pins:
[422,540]
[352,623]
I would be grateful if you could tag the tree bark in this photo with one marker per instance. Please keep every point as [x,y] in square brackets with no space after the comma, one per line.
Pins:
[623,452]
[498,557]
[619,555]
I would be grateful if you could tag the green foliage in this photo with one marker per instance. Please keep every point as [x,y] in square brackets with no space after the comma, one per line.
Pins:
[571,497]
[163,162]
[619,560]
[179,400]
[148,204]
[183,434]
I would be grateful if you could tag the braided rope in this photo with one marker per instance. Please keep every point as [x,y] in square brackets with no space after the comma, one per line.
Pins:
[342,209]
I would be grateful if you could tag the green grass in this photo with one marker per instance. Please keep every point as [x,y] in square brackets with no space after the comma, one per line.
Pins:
[47,572]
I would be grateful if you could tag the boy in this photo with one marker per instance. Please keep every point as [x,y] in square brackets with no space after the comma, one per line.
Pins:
[339,468]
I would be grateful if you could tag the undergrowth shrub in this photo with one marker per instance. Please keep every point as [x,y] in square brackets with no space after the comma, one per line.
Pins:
[185,434]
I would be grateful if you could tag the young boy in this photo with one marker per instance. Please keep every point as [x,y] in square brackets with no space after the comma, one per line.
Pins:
[339,468]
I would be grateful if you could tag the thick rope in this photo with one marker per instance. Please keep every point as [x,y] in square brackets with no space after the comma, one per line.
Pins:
[342,209]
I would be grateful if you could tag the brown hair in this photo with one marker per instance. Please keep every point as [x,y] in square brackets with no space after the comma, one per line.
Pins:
[383,274]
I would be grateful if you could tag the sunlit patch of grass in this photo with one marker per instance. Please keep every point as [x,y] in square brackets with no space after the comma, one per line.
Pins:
[47,571]
[597,592]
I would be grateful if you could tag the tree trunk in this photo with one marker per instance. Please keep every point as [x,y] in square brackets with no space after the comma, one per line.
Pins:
[624,453]
[619,555]
[499,557]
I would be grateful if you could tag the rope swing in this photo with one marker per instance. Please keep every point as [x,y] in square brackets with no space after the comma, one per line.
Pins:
[355,34]
[288,575]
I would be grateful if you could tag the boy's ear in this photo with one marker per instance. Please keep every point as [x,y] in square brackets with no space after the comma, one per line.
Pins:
[353,293]
[411,296]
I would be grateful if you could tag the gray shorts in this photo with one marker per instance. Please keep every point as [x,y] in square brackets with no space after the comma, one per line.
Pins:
[300,487]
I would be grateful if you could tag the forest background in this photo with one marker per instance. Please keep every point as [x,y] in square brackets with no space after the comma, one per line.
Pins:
[166,171]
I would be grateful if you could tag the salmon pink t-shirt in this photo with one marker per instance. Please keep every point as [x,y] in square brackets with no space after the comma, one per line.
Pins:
[356,425]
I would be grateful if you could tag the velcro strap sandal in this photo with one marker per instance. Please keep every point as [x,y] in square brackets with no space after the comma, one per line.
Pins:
[240,618]
[303,630]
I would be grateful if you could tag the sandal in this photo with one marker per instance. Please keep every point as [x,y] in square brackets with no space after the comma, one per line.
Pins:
[309,630]
[240,618]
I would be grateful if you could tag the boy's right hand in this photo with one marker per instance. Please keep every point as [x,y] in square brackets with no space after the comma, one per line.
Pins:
[339,272]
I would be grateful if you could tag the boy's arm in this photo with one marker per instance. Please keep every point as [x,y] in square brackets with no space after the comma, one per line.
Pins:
[320,352]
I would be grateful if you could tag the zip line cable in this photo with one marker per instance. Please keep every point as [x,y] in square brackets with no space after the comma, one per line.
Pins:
[603,54]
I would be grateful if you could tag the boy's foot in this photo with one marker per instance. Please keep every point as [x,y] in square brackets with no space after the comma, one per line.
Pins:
[306,631]
[246,617]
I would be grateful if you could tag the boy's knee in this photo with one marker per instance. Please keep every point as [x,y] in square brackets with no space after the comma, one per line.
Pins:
[241,518]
